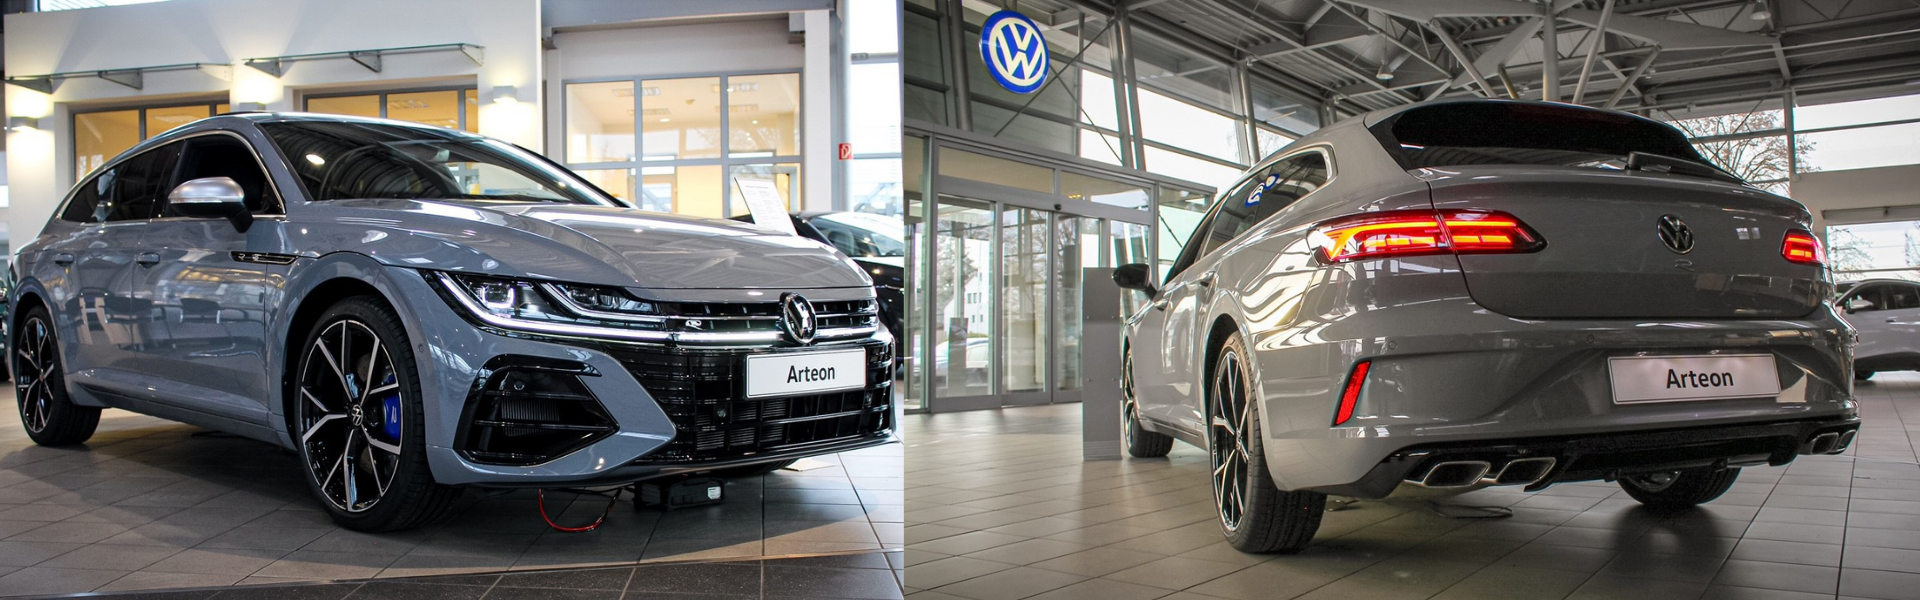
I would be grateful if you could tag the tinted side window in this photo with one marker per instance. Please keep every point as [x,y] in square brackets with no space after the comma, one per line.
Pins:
[1873,294]
[86,200]
[1900,297]
[140,184]
[1260,198]
[223,156]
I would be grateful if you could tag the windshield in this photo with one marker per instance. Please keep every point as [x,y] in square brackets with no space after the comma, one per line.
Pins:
[862,235]
[1513,133]
[339,160]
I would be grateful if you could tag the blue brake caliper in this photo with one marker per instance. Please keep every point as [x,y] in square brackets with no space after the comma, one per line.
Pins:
[390,413]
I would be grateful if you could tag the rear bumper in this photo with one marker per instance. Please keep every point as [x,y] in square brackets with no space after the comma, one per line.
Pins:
[1611,456]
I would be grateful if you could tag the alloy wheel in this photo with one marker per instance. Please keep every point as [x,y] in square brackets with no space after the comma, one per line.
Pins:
[1228,414]
[33,374]
[350,415]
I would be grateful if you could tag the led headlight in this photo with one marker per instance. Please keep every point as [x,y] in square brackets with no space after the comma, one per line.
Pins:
[566,309]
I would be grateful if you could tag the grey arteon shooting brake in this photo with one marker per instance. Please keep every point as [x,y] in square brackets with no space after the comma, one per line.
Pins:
[1470,293]
[414,309]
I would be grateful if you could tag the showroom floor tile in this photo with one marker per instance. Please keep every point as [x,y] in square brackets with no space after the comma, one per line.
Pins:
[999,506]
[850,576]
[152,504]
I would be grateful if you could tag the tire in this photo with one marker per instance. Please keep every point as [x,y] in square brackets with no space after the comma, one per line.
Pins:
[333,407]
[1266,519]
[1140,442]
[755,470]
[40,386]
[1680,489]
[1862,375]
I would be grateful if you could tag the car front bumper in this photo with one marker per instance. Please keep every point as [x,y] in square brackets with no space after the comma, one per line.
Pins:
[669,409]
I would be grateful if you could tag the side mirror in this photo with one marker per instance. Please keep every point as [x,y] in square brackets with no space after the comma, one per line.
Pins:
[1857,305]
[1135,277]
[211,197]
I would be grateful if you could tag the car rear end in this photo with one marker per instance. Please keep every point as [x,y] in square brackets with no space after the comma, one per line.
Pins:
[1613,313]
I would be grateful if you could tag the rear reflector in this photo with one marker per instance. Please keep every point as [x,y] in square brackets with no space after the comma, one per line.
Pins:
[1352,392]
[1802,247]
[1418,232]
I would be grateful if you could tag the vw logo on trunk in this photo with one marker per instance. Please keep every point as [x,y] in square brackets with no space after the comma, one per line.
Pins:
[796,318]
[1675,234]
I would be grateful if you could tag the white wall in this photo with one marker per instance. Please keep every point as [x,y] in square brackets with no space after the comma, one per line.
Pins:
[227,32]
[1895,188]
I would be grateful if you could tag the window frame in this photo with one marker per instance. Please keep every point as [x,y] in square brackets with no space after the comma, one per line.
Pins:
[140,119]
[1190,253]
[381,99]
[637,167]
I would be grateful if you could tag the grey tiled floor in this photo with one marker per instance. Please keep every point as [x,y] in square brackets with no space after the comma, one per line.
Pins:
[862,576]
[151,504]
[1000,507]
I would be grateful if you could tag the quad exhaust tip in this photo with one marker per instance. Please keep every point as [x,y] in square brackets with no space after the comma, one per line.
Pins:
[1522,471]
[1456,474]
[1846,439]
[1824,443]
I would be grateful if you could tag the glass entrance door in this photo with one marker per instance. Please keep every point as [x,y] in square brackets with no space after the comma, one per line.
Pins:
[1003,327]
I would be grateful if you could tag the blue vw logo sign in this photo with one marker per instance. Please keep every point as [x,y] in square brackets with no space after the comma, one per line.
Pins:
[1015,52]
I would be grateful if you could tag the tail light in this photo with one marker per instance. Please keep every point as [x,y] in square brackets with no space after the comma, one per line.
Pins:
[1417,232]
[1802,247]
[1351,394]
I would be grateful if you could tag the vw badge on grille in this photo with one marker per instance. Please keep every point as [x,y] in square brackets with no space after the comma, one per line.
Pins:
[1675,234]
[797,318]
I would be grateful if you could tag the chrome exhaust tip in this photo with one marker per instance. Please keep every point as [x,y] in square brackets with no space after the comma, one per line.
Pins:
[1846,439]
[1823,443]
[1456,474]
[1522,471]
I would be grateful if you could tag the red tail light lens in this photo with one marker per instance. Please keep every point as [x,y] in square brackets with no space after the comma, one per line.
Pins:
[1417,232]
[1802,247]
[1351,394]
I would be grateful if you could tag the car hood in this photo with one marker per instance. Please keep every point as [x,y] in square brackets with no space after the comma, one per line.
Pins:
[598,245]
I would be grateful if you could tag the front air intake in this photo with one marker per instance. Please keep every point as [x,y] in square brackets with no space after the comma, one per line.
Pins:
[529,411]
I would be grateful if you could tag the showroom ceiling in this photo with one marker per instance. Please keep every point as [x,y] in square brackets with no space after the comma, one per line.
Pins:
[1689,55]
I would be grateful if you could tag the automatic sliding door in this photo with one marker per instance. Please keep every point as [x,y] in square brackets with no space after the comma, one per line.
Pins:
[1026,332]
[963,340]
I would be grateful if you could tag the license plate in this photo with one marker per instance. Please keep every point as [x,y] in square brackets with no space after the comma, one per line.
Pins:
[1641,379]
[791,373]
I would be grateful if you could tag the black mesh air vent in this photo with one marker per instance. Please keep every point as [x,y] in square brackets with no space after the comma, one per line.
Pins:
[527,414]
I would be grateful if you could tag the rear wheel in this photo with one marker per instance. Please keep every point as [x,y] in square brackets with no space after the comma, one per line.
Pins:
[1254,513]
[1862,375]
[358,421]
[1140,442]
[48,414]
[1679,489]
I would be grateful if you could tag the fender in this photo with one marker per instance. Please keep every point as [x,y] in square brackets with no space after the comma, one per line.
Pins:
[311,273]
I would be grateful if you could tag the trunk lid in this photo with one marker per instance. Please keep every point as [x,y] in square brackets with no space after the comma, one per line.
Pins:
[1605,256]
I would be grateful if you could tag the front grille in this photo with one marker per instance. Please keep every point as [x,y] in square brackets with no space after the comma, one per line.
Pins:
[765,316]
[704,393]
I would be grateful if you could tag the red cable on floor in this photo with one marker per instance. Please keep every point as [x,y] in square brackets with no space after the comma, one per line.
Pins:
[612,499]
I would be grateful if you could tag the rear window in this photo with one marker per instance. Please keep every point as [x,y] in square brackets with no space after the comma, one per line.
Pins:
[1512,133]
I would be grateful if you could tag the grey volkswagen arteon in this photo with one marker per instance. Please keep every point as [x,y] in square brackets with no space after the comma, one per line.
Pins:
[1471,293]
[415,310]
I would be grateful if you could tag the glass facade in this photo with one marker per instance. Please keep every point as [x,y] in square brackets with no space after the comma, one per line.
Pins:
[691,140]
[98,136]
[449,108]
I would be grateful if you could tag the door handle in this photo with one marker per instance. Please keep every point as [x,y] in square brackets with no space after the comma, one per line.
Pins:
[63,259]
[148,259]
[1160,304]
[1205,280]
